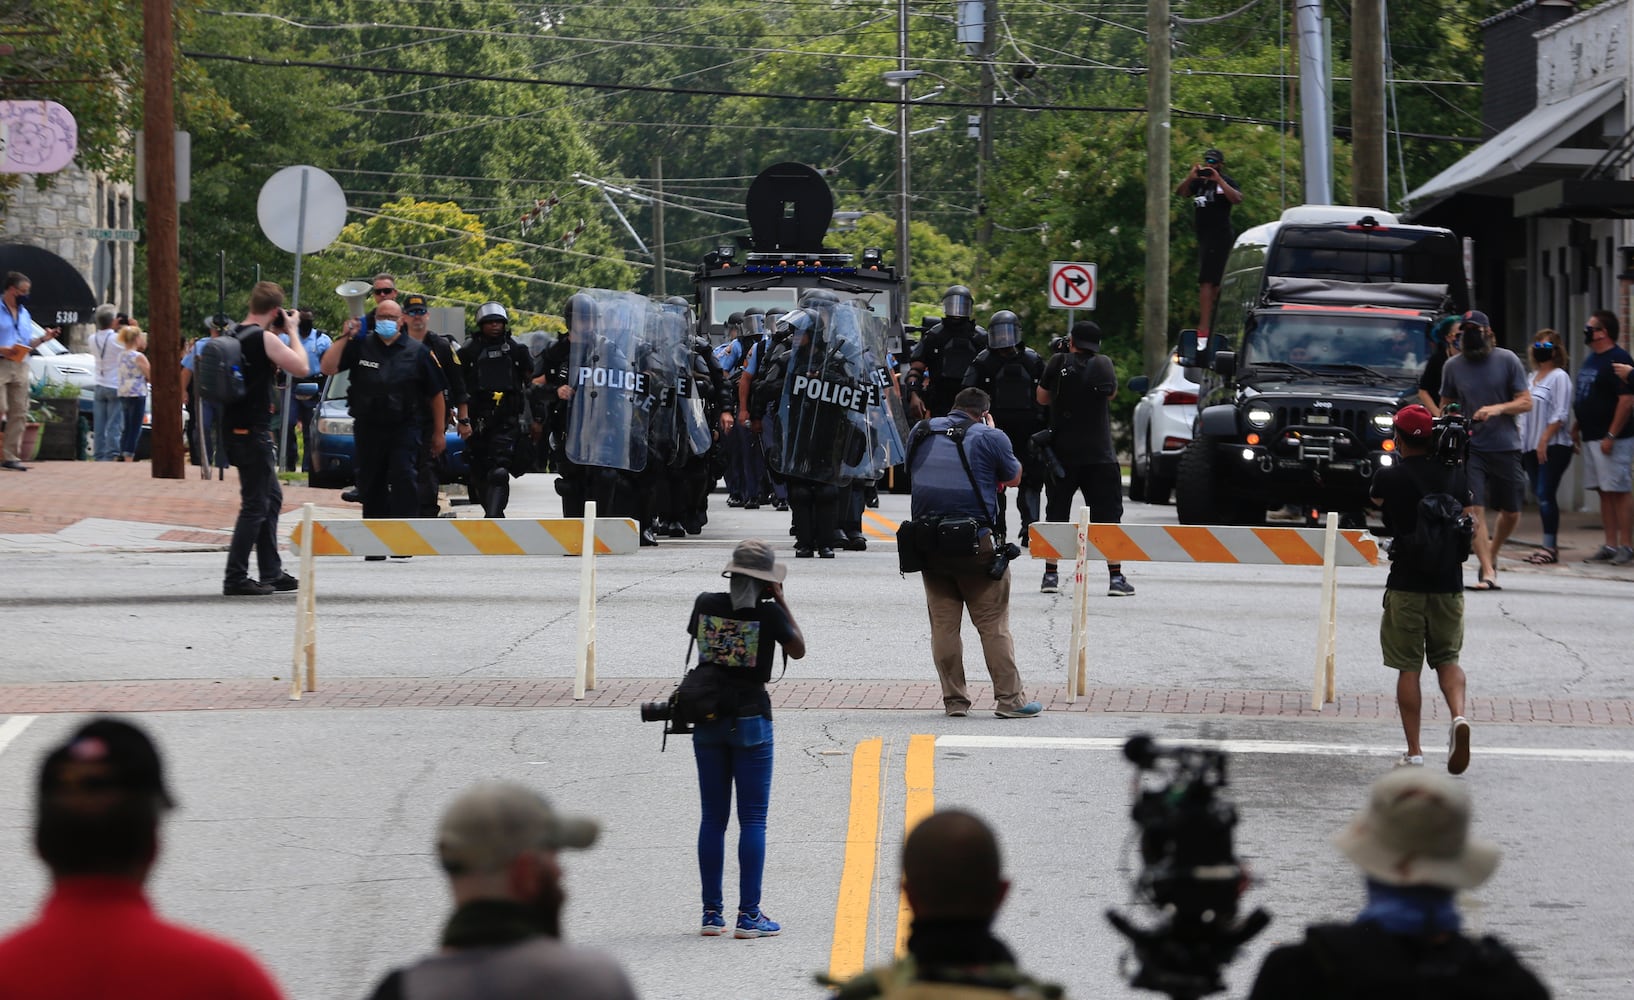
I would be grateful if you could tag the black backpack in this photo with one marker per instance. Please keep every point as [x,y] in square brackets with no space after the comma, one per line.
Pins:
[1442,536]
[1365,962]
[219,368]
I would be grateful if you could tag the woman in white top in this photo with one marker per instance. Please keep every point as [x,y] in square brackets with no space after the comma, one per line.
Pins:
[133,388]
[1546,435]
[105,411]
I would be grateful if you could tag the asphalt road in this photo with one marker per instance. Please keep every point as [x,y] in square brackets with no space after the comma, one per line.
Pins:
[307,834]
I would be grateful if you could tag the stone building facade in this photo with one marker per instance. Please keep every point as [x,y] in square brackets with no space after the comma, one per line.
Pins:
[59,219]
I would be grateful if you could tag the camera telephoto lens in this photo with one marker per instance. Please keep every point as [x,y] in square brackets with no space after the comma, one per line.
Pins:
[655,711]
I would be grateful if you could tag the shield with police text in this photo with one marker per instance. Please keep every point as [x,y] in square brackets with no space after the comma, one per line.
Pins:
[886,419]
[820,430]
[613,394]
[667,342]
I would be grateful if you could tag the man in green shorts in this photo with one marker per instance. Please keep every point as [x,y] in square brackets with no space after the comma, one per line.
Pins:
[1424,595]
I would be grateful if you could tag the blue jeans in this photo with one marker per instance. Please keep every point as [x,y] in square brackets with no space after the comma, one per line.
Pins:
[1545,480]
[733,752]
[133,408]
[109,419]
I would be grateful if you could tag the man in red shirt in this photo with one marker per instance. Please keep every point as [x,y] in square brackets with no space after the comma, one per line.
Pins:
[96,826]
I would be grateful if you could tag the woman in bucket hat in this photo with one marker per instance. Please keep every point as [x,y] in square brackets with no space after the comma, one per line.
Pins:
[740,629]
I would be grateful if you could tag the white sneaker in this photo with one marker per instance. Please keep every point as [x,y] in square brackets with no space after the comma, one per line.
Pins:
[1411,760]
[1458,746]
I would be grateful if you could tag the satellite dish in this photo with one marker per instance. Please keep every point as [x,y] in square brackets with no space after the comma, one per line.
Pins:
[279,209]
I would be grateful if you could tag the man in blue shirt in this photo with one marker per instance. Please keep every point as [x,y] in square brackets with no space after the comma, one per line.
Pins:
[17,339]
[959,463]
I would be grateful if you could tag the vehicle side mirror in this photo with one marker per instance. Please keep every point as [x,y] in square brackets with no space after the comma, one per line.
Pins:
[1191,350]
[1225,363]
[306,388]
[1139,384]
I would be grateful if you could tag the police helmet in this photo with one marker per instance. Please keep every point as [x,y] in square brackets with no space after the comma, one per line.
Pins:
[581,313]
[678,300]
[753,323]
[957,302]
[1004,329]
[798,321]
[492,310]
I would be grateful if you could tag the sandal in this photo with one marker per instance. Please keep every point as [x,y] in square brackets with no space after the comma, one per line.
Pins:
[1544,557]
[1485,583]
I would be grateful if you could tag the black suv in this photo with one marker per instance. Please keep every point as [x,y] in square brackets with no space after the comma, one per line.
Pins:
[1301,412]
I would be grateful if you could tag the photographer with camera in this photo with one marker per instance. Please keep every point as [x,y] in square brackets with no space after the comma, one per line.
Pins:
[953,878]
[1423,501]
[958,464]
[1212,192]
[738,631]
[1413,846]
[1077,390]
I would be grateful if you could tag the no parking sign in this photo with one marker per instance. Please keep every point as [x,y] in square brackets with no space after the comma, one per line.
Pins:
[1072,285]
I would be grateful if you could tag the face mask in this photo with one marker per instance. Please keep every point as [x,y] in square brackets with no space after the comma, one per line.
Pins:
[1588,334]
[386,329]
[306,327]
[22,300]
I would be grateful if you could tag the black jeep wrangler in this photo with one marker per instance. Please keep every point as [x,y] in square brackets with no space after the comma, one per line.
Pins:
[1299,410]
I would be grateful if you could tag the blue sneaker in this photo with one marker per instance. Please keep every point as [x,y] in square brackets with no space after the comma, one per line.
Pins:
[1027,711]
[755,924]
[714,924]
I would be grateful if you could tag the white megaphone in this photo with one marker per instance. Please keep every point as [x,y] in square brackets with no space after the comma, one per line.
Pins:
[356,294]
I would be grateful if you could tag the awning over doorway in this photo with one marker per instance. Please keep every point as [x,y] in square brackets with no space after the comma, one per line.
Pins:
[58,294]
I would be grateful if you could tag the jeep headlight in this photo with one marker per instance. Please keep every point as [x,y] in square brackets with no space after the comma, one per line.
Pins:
[338,426]
[1384,421]
[1260,417]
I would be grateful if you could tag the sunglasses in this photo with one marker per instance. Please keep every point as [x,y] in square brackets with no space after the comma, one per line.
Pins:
[385,291]
[1591,329]
[1211,160]
[1543,345]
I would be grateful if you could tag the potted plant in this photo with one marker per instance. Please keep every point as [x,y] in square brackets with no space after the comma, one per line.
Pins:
[29,450]
[58,403]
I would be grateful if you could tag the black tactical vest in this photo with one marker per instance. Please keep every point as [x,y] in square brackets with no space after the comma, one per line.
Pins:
[385,382]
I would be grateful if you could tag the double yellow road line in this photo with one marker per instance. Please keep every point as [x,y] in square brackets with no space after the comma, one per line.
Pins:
[849,954]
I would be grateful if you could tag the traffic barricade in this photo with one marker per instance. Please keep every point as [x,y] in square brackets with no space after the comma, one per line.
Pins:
[586,537]
[1083,540]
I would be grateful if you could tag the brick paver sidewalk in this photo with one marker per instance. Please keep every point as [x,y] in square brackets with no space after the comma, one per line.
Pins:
[51,496]
[917,696]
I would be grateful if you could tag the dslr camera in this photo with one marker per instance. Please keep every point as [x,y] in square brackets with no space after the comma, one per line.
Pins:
[664,711]
[1190,874]
[1001,560]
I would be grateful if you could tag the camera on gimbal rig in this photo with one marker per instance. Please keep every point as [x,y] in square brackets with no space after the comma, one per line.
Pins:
[1189,872]
[1451,435]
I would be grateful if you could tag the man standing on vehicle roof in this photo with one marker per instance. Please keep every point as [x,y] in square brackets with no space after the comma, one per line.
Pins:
[1212,192]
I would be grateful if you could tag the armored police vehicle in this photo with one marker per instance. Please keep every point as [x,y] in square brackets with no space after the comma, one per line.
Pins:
[790,207]
[1323,330]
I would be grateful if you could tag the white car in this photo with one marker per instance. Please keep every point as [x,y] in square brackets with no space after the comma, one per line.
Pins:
[1163,422]
[53,361]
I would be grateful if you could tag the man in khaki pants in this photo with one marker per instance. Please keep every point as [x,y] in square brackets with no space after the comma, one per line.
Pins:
[16,340]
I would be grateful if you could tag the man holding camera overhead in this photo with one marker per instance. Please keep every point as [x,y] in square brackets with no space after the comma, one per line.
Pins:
[1212,192]
[959,463]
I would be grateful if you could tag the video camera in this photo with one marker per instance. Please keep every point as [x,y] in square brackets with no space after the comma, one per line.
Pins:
[1451,435]
[1043,444]
[1189,872]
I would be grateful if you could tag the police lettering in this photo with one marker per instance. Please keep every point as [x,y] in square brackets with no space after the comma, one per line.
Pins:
[613,378]
[368,364]
[850,397]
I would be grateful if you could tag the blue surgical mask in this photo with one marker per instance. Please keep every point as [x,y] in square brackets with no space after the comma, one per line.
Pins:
[386,328]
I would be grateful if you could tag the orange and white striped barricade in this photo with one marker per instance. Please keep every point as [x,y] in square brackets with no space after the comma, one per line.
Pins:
[588,537]
[1327,547]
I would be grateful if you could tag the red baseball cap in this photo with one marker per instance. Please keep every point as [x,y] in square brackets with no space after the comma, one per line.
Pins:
[1414,422]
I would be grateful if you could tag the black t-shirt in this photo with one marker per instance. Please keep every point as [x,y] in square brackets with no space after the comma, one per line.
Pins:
[1397,490]
[1081,387]
[1596,391]
[1214,211]
[1430,380]
[744,641]
[254,411]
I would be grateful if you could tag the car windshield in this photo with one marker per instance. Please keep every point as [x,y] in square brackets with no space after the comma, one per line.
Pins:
[1395,344]
[335,388]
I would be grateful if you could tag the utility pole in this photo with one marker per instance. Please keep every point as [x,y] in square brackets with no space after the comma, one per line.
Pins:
[658,227]
[984,144]
[902,140]
[1155,317]
[1367,144]
[1315,125]
[164,263]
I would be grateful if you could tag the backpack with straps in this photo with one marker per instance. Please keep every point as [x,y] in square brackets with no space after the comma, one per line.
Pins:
[219,368]
[1443,535]
[1366,962]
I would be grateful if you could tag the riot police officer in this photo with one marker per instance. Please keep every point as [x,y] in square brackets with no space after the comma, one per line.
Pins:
[393,377]
[1008,371]
[498,371]
[947,350]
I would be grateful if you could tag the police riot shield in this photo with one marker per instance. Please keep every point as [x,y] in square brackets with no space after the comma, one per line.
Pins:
[819,429]
[886,419]
[675,422]
[612,401]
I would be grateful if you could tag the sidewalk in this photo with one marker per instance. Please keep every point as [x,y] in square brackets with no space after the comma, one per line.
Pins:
[119,507]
